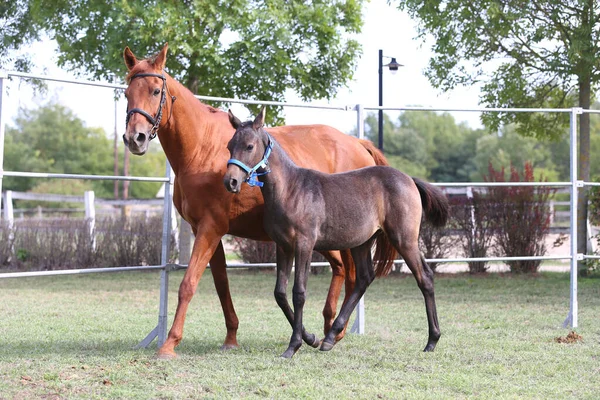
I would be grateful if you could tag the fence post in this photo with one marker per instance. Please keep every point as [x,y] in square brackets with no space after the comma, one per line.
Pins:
[90,215]
[160,331]
[164,259]
[360,121]
[571,319]
[9,217]
[3,76]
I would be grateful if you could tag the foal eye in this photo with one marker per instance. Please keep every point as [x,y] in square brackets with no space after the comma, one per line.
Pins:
[156,91]
[250,147]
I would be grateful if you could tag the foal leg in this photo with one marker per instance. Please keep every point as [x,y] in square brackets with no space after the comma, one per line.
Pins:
[424,277]
[284,267]
[302,263]
[364,277]
[342,271]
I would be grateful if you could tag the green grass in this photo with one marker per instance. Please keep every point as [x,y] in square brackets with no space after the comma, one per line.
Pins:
[72,337]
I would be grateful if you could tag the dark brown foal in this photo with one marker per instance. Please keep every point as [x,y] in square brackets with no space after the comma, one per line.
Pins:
[306,209]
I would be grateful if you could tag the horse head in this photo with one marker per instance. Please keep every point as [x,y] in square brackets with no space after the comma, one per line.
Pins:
[249,148]
[146,96]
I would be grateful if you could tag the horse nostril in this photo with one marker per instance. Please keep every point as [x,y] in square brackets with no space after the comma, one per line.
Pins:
[140,138]
[125,140]
[233,183]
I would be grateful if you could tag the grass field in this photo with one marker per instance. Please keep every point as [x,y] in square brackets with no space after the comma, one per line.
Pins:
[72,337]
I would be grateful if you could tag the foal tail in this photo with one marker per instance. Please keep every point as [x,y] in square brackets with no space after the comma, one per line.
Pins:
[435,203]
[374,152]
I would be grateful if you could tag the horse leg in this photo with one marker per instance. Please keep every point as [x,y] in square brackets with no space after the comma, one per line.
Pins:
[204,247]
[424,277]
[342,266]
[364,277]
[284,267]
[218,268]
[302,263]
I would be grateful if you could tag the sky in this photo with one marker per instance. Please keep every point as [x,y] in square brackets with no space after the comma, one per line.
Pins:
[385,28]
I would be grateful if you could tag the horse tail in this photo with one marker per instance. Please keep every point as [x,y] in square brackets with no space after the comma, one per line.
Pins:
[384,256]
[435,203]
[374,152]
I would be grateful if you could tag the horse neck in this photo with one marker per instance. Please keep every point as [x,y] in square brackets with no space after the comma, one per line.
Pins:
[191,133]
[283,171]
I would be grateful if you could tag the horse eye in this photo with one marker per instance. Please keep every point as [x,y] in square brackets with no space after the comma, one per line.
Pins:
[250,147]
[156,91]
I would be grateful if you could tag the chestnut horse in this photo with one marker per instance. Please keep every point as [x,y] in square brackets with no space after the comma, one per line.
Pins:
[194,138]
[307,209]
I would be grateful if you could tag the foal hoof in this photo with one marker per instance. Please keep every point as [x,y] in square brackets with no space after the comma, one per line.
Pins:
[430,347]
[289,353]
[314,342]
[326,346]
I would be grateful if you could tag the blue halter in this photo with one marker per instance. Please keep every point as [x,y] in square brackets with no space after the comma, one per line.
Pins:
[251,179]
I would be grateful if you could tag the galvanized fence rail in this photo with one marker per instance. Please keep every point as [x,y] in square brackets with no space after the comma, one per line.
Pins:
[160,330]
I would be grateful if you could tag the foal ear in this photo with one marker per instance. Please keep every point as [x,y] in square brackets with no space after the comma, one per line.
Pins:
[259,121]
[233,120]
[129,58]
[161,58]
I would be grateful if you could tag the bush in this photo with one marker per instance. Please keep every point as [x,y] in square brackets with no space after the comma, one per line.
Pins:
[522,217]
[125,241]
[66,243]
[6,243]
[48,244]
[472,217]
[434,243]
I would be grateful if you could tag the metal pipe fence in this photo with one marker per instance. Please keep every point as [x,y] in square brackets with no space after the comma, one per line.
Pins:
[160,330]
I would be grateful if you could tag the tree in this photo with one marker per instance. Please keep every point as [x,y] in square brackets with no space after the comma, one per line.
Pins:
[244,48]
[428,145]
[511,149]
[52,139]
[538,53]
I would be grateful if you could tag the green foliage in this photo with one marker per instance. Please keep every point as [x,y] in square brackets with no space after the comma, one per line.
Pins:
[427,145]
[52,139]
[243,48]
[509,148]
[527,54]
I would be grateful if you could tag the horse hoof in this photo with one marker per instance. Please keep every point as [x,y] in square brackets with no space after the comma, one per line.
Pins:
[326,346]
[166,355]
[226,347]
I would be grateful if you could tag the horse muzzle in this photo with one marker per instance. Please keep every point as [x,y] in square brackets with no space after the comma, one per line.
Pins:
[138,144]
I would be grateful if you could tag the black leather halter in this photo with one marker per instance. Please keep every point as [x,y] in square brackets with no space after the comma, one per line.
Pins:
[155,121]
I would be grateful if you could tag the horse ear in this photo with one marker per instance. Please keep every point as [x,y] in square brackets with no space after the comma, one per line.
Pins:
[129,58]
[161,57]
[259,121]
[235,121]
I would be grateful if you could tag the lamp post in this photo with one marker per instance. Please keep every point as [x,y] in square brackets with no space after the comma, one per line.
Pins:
[393,67]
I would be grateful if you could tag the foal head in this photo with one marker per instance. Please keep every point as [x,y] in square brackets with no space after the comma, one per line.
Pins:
[249,148]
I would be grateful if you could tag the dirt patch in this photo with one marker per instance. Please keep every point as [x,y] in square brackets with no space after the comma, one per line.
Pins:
[572,337]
